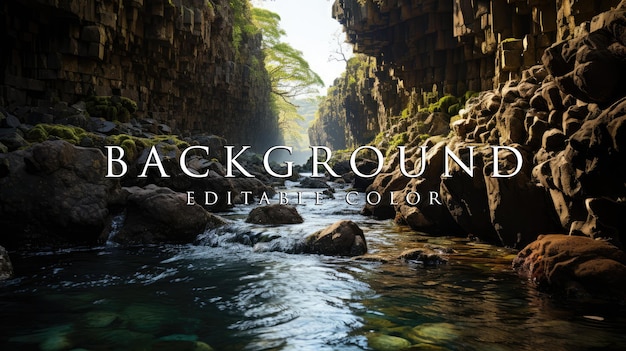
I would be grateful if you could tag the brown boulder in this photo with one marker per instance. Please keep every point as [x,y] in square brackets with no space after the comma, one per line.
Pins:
[313,183]
[553,140]
[589,68]
[438,123]
[425,214]
[157,215]
[574,265]
[274,214]
[364,167]
[535,132]
[573,118]
[425,256]
[344,238]
[385,184]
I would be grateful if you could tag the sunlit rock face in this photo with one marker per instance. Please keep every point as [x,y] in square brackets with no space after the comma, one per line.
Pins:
[417,50]
[176,59]
[461,45]
[563,113]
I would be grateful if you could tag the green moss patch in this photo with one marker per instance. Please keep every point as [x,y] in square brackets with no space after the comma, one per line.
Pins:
[134,146]
[397,140]
[112,108]
[43,132]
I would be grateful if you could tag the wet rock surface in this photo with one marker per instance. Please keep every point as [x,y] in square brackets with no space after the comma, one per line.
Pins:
[574,265]
[344,238]
[155,215]
[274,214]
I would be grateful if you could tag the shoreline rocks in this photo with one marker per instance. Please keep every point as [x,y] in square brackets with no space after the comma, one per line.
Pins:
[157,215]
[574,266]
[572,177]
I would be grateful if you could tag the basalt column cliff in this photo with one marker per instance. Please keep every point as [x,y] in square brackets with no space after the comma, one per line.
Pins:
[551,78]
[427,49]
[177,59]
[461,44]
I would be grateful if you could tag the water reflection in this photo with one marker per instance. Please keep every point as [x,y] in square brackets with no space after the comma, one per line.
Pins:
[225,293]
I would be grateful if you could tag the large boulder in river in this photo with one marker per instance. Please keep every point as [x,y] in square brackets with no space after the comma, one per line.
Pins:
[344,238]
[574,265]
[274,214]
[425,256]
[54,192]
[155,215]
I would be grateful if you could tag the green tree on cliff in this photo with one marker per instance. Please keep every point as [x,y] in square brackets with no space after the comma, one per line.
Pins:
[290,74]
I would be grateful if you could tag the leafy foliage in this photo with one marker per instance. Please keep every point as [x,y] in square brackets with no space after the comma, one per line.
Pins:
[290,74]
[242,22]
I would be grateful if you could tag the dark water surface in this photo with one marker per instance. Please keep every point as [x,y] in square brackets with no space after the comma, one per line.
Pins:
[232,293]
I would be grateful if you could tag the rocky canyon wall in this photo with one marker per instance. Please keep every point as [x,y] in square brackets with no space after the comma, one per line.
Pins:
[432,48]
[461,45]
[366,99]
[176,59]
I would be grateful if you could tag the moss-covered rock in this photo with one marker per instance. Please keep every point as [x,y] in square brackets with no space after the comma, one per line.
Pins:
[112,108]
[133,146]
[43,132]
[443,104]
[397,140]
[130,149]
[37,134]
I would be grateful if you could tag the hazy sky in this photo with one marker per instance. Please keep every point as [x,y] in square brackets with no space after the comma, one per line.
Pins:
[311,29]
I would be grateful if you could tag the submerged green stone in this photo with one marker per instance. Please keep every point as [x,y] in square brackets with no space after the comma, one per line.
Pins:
[382,342]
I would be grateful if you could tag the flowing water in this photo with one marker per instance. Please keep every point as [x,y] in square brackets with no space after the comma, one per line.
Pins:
[233,290]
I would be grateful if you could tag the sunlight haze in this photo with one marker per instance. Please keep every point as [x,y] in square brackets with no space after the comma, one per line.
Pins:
[311,29]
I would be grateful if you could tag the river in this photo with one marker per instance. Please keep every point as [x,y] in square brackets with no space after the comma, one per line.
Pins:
[231,290]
